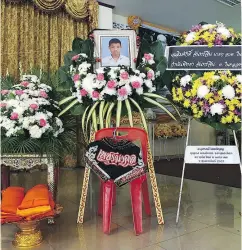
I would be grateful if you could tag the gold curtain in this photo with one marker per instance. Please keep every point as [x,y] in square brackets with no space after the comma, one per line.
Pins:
[32,37]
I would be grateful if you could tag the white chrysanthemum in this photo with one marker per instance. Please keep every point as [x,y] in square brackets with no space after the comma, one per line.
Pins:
[78,84]
[58,122]
[20,110]
[216,77]
[190,37]
[157,73]
[87,83]
[224,31]
[40,115]
[32,78]
[83,55]
[148,83]
[140,91]
[208,26]
[143,75]
[109,91]
[100,71]
[239,78]
[137,71]
[216,108]
[112,74]
[151,90]
[35,131]
[202,91]
[185,80]
[228,92]
[136,79]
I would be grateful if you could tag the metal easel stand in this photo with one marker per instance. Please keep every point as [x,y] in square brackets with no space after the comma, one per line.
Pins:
[184,164]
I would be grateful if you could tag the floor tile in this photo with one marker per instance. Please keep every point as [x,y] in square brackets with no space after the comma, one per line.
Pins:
[209,216]
[210,238]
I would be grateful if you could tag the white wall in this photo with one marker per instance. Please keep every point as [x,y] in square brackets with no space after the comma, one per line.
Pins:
[120,19]
[105,18]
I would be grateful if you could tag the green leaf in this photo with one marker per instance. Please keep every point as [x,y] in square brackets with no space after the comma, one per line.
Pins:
[65,81]
[67,99]
[68,107]
[77,45]
[94,120]
[118,114]
[84,119]
[128,107]
[141,113]
[160,106]
[90,113]
[162,65]
[77,109]
[68,56]
[88,48]
[101,107]
[109,114]
[167,79]
[157,50]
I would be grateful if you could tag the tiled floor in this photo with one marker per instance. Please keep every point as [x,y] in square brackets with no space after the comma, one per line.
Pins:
[209,217]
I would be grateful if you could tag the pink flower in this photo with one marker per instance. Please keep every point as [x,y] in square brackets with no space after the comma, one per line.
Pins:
[19,92]
[136,85]
[150,74]
[25,83]
[135,60]
[91,36]
[111,84]
[124,75]
[34,106]
[43,94]
[147,57]
[3,104]
[14,116]
[123,91]
[74,58]
[4,92]
[42,122]
[100,77]
[83,92]
[76,77]
[95,94]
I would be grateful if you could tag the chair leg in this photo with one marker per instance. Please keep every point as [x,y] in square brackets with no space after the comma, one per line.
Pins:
[114,195]
[136,200]
[146,199]
[100,200]
[107,205]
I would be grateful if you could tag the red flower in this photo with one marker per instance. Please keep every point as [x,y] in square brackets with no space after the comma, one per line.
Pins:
[83,92]
[98,59]
[135,60]
[14,116]
[34,106]
[42,122]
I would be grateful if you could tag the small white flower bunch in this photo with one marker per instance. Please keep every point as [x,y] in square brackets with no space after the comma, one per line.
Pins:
[28,108]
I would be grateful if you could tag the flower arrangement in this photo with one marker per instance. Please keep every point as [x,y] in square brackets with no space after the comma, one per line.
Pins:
[24,108]
[29,122]
[170,130]
[213,97]
[107,87]
[210,34]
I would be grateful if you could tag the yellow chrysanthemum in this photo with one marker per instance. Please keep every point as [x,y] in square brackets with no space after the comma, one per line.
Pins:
[188,94]
[223,120]
[211,101]
[186,103]
[236,119]
[231,107]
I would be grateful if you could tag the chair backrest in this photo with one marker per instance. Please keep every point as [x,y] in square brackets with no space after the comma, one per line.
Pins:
[132,134]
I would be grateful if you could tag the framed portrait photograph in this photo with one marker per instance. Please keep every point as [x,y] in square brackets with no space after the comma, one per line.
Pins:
[115,47]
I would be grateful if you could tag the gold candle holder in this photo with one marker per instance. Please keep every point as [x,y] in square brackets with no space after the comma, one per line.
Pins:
[29,234]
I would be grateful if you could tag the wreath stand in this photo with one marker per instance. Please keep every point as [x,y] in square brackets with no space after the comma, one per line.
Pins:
[184,164]
[153,181]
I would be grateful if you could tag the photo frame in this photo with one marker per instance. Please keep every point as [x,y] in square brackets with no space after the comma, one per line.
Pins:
[115,47]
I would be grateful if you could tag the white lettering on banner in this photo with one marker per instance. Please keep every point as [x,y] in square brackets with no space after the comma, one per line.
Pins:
[212,155]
